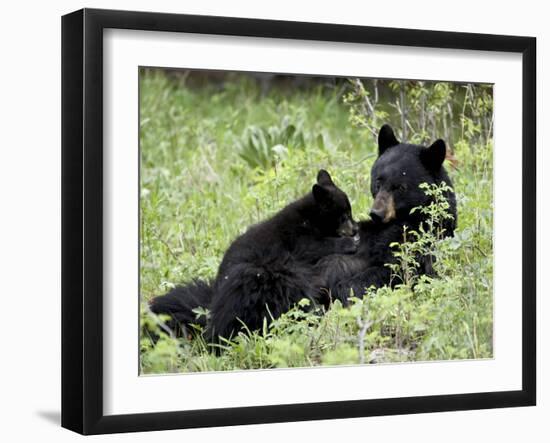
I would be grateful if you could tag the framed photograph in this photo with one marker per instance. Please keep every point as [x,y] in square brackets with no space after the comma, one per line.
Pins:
[269,221]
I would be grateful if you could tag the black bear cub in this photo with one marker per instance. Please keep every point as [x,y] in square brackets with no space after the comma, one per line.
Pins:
[270,267]
[395,178]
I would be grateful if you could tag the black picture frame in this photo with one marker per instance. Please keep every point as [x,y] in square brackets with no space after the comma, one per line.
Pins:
[82,219]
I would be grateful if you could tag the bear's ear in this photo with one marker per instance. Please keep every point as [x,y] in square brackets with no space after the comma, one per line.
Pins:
[386,139]
[321,195]
[324,178]
[433,156]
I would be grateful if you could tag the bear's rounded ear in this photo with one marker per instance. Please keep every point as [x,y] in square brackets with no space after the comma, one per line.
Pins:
[324,178]
[320,194]
[433,156]
[386,139]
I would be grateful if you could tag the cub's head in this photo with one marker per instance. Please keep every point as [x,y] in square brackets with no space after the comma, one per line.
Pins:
[398,172]
[335,217]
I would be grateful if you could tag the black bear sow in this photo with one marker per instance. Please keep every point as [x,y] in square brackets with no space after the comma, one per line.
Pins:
[270,267]
[396,177]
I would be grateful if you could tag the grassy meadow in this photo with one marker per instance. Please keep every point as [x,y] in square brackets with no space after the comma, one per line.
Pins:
[220,152]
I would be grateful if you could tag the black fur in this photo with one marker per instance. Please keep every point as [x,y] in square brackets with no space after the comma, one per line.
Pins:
[180,302]
[395,179]
[270,267]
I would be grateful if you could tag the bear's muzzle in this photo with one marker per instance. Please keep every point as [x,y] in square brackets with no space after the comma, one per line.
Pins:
[383,209]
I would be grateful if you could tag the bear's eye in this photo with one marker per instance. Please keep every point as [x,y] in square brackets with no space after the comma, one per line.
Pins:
[402,187]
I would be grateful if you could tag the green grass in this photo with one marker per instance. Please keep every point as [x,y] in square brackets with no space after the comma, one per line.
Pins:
[217,157]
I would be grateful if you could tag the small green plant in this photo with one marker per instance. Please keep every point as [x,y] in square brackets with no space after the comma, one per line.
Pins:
[421,246]
[262,147]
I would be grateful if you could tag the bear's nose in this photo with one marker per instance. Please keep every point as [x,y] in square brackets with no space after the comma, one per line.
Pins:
[377,215]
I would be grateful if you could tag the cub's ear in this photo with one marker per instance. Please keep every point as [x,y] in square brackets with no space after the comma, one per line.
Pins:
[324,178]
[433,156]
[386,139]
[321,195]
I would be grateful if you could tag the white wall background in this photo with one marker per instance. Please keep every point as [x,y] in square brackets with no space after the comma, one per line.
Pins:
[30,219]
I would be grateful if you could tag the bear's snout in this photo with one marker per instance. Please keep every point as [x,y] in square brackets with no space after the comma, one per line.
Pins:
[348,229]
[383,209]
